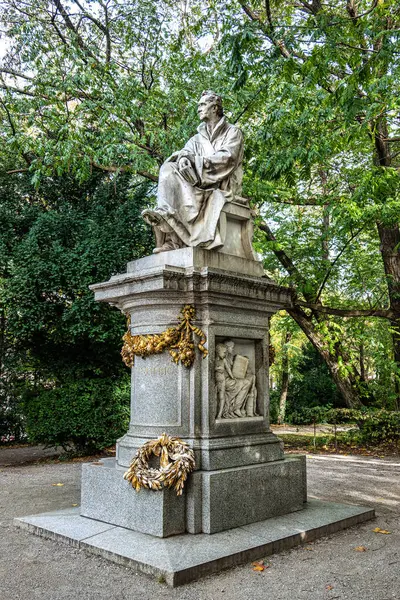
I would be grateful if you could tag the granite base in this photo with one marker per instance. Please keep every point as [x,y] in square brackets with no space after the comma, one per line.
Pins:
[106,496]
[213,501]
[184,558]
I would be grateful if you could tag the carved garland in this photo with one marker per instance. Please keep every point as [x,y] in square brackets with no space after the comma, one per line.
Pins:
[178,341]
[170,474]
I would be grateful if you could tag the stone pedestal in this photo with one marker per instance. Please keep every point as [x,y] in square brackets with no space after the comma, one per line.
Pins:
[244,491]
[241,474]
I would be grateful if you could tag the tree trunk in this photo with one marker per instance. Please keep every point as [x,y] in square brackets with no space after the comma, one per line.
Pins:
[363,375]
[344,383]
[284,380]
[389,236]
[2,342]
[390,252]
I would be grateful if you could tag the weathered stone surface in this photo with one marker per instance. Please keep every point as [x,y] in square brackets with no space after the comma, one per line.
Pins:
[236,225]
[236,497]
[213,500]
[66,527]
[196,258]
[166,397]
[183,558]
[232,452]
[107,497]
[159,390]
[216,453]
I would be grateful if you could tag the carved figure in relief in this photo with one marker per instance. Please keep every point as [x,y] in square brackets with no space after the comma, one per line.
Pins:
[196,182]
[221,370]
[235,383]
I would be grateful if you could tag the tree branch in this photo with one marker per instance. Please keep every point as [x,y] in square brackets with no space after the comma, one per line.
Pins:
[10,88]
[356,16]
[123,169]
[329,271]
[16,171]
[71,27]
[351,8]
[60,35]
[91,18]
[148,175]
[11,122]
[14,131]
[266,29]
[284,259]
[343,312]
[15,73]
[269,15]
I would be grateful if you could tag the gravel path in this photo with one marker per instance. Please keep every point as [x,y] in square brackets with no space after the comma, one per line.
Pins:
[330,569]
[10,456]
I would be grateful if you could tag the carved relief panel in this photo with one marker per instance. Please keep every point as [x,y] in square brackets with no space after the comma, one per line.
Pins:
[235,379]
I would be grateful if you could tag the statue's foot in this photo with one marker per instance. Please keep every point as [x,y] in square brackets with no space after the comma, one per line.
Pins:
[151,217]
[168,245]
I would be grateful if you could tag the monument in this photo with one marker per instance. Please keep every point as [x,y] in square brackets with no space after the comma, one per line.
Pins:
[198,344]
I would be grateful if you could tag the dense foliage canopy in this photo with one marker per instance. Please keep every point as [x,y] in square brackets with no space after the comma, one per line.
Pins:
[95,94]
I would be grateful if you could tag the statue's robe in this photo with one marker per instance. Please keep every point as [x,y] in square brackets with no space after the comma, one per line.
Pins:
[192,210]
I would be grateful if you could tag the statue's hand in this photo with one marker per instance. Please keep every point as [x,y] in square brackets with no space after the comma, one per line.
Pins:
[187,171]
[183,163]
[186,154]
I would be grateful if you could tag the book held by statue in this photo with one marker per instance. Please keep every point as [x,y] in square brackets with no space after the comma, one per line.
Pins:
[240,365]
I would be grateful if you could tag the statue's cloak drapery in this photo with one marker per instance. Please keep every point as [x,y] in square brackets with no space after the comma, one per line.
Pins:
[192,211]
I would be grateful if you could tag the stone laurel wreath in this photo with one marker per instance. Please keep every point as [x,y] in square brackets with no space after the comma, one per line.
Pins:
[176,462]
[178,340]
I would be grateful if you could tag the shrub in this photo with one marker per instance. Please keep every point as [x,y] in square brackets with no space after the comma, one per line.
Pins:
[273,406]
[310,386]
[381,426]
[346,415]
[81,416]
[11,420]
[11,424]
[306,416]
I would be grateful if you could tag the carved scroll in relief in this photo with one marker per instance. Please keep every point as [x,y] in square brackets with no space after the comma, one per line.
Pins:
[235,383]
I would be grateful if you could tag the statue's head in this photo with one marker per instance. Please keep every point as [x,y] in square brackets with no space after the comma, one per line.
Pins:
[229,345]
[220,350]
[210,104]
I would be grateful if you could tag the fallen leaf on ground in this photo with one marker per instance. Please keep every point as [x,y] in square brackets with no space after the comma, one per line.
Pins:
[74,505]
[379,530]
[308,548]
[329,587]
[57,484]
[259,565]
[360,549]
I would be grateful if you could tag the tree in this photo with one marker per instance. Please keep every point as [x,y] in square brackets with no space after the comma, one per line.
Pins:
[60,350]
[326,147]
[111,86]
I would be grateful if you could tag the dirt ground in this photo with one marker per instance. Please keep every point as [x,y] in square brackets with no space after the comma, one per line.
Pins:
[356,564]
[323,428]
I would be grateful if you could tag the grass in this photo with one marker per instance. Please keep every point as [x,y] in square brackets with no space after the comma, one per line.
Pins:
[324,443]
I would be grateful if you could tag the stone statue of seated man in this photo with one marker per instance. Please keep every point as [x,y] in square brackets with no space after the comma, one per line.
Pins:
[196,182]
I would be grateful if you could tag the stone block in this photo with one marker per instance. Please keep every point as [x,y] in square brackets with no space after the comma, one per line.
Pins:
[240,496]
[183,558]
[240,450]
[107,497]
[197,258]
